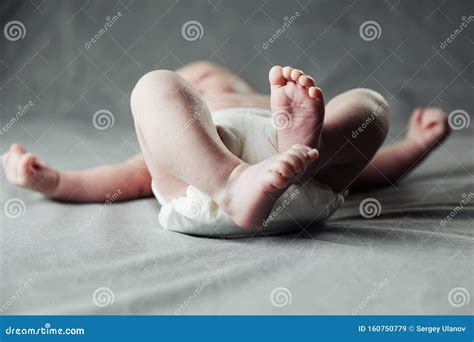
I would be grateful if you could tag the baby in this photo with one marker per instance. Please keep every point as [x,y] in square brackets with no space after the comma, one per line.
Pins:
[334,145]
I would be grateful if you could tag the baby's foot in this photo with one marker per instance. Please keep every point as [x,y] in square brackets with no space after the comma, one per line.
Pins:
[253,189]
[427,127]
[297,108]
[24,169]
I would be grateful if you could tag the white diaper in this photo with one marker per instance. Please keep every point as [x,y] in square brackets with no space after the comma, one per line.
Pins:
[254,139]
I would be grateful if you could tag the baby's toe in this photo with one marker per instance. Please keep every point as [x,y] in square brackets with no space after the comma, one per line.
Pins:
[306,81]
[276,77]
[296,74]
[287,72]
[316,93]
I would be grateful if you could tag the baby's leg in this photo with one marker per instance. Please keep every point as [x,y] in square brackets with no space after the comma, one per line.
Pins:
[355,127]
[178,138]
[347,151]
[127,180]
[428,127]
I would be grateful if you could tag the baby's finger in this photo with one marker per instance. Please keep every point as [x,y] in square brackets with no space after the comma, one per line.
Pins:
[17,148]
[25,167]
[5,158]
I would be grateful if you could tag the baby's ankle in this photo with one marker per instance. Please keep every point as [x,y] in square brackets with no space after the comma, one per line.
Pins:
[223,195]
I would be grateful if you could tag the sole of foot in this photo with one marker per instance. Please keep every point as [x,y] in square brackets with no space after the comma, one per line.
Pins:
[297,108]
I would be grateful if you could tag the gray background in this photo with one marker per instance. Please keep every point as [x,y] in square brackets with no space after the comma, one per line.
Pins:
[329,269]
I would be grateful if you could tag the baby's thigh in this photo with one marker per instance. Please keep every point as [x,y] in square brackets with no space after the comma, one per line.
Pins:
[355,126]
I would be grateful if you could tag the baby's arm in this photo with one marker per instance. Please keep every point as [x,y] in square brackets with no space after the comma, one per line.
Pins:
[129,180]
[428,127]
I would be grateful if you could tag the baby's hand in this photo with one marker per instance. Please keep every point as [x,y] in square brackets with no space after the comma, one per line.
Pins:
[24,169]
[428,126]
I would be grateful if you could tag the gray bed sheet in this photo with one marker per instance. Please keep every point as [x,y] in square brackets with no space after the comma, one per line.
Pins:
[58,258]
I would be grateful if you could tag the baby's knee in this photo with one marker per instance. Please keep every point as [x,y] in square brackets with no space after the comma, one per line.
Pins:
[152,85]
[156,81]
[374,111]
